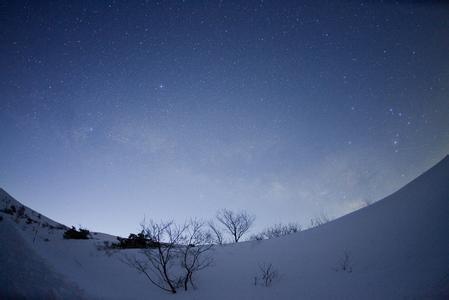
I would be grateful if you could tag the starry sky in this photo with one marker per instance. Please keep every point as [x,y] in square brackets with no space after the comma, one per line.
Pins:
[111,111]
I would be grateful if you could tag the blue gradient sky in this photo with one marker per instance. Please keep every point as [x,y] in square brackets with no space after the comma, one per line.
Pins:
[113,111]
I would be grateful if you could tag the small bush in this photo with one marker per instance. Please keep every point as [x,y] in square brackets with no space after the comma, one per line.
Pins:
[319,220]
[72,233]
[21,211]
[345,263]
[1,218]
[10,210]
[29,220]
[276,231]
[257,237]
[267,274]
[133,241]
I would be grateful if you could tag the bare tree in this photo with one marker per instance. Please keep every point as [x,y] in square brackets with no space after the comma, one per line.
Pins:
[217,233]
[160,259]
[173,254]
[195,254]
[237,224]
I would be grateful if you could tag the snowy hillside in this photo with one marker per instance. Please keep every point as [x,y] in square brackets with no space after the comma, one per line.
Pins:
[397,248]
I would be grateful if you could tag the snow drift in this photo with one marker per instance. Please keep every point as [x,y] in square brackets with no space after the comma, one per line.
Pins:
[396,248]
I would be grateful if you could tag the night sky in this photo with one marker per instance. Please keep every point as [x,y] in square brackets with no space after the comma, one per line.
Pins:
[112,111]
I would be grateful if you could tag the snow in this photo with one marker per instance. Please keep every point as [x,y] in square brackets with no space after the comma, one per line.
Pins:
[23,274]
[398,248]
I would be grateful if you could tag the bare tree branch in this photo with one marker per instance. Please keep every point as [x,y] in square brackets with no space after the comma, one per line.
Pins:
[174,254]
[195,253]
[267,274]
[161,257]
[218,234]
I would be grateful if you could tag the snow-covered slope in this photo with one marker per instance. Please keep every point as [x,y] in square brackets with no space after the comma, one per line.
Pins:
[397,248]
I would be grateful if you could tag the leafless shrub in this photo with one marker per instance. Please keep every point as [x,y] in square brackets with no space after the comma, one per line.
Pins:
[257,237]
[279,230]
[267,274]
[236,224]
[276,231]
[319,220]
[175,255]
[345,263]
[158,263]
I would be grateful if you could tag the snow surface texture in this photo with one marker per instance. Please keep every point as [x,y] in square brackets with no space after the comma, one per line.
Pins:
[396,248]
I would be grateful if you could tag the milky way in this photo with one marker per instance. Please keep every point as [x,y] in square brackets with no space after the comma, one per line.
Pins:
[112,111]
